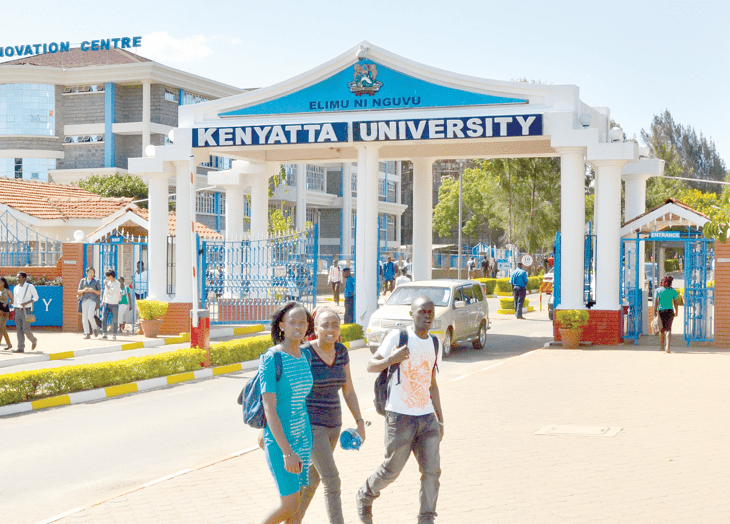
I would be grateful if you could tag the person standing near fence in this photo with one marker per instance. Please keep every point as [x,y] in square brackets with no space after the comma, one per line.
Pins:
[112,295]
[124,302]
[6,299]
[335,278]
[89,294]
[25,296]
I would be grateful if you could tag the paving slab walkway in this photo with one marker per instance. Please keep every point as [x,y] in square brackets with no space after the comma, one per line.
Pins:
[668,463]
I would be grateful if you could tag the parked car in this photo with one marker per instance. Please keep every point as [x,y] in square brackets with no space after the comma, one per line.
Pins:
[548,280]
[551,307]
[650,274]
[462,313]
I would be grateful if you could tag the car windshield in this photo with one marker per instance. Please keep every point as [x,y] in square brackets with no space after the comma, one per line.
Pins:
[404,295]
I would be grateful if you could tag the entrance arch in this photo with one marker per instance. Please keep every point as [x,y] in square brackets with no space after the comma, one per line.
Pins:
[369,105]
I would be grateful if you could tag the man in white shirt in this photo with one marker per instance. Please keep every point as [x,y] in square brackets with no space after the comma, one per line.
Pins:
[335,278]
[24,295]
[110,301]
[139,281]
[402,278]
[413,417]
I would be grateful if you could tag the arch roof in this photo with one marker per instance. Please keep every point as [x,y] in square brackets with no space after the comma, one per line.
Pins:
[671,214]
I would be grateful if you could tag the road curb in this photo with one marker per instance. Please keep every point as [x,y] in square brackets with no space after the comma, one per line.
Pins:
[124,389]
[355,344]
[215,333]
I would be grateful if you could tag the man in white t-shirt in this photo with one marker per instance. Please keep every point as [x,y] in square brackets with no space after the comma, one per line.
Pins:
[335,278]
[402,278]
[413,417]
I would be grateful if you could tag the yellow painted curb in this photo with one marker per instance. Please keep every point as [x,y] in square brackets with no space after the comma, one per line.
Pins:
[245,330]
[185,337]
[62,355]
[230,368]
[182,377]
[62,400]
[132,345]
[122,389]
[175,340]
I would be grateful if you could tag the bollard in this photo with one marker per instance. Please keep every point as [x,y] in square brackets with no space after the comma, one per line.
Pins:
[200,336]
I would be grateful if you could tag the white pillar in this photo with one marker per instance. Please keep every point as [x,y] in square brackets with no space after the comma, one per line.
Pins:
[635,195]
[183,237]
[146,105]
[234,212]
[157,240]
[366,265]
[301,209]
[572,226]
[346,210]
[608,240]
[259,176]
[422,218]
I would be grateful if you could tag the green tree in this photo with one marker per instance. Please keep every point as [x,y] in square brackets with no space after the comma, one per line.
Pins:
[117,186]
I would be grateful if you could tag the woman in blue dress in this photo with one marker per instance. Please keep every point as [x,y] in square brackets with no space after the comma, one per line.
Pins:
[288,434]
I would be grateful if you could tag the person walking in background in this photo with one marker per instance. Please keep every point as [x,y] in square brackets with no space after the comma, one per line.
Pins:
[518,279]
[403,278]
[389,275]
[112,296]
[485,267]
[89,294]
[25,296]
[334,278]
[139,281]
[667,305]
[414,421]
[288,434]
[349,296]
[330,373]
[124,302]
[469,268]
[6,299]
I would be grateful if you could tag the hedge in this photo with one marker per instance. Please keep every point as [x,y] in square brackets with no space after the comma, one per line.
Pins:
[509,303]
[503,285]
[670,265]
[26,386]
[489,283]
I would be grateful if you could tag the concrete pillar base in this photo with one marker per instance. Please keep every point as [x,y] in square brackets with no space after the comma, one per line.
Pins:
[604,328]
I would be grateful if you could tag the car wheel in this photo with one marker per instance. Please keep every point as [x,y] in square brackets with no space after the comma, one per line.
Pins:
[551,313]
[447,342]
[481,341]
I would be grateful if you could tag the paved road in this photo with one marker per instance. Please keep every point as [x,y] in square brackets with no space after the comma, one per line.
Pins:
[58,459]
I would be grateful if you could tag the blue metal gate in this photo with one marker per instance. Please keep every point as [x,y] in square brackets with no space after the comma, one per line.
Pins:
[630,291]
[699,299]
[244,281]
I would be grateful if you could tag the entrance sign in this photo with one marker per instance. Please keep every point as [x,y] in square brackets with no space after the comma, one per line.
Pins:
[436,128]
[103,44]
[270,135]
[367,86]
[377,131]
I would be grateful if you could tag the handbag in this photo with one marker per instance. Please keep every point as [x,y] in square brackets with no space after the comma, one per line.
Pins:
[655,324]
[29,317]
[11,315]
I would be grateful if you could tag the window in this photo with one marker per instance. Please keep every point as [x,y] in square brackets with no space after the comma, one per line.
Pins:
[83,139]
[391,228]
[223,204]
[205,203]
[391,191]
[478,292]
[353,182]
[192,98]
[170,96]
[27,109]
[217,163]
[94,88]
[353,220]
[468,294]
[315,178]
[291,175]
[382,189]
[26,168]
[311,215]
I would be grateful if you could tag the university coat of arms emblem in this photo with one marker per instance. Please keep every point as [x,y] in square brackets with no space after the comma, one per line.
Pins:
[365,80]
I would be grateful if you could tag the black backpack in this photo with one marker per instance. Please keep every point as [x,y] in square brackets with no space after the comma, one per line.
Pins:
[381,388]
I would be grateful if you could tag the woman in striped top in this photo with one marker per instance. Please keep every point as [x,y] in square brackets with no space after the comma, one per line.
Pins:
[330,372]
[287,435]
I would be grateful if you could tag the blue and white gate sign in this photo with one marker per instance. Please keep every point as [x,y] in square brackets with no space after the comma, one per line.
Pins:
[49,308]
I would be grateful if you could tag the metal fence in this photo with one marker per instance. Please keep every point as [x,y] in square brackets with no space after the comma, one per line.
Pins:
[244,281]
[22,246]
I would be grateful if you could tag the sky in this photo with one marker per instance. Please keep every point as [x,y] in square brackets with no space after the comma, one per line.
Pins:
[636,57]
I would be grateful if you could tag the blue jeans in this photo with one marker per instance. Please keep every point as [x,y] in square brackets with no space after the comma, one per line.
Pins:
[349,310]
[110,310]
[519,293]
[405,434]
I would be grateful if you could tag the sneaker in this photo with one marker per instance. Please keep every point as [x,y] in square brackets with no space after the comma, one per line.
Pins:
[364,512]
[18,351]
[87,336]
[105,337]
[33,346]
[114,337]
[96,332]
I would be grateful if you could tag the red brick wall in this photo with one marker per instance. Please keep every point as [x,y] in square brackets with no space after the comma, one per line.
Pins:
[604,328]
[33,272]
[722,296]
[72,271]
[177,318]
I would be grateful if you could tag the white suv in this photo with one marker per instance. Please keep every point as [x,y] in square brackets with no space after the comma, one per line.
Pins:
[462,313]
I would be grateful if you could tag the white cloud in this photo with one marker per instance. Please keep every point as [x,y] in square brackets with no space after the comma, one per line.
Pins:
[162,47]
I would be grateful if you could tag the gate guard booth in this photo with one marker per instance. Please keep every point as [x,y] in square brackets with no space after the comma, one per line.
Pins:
[672,224]
[369,105]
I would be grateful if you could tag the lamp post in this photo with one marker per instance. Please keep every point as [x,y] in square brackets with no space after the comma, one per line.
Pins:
[461,198]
